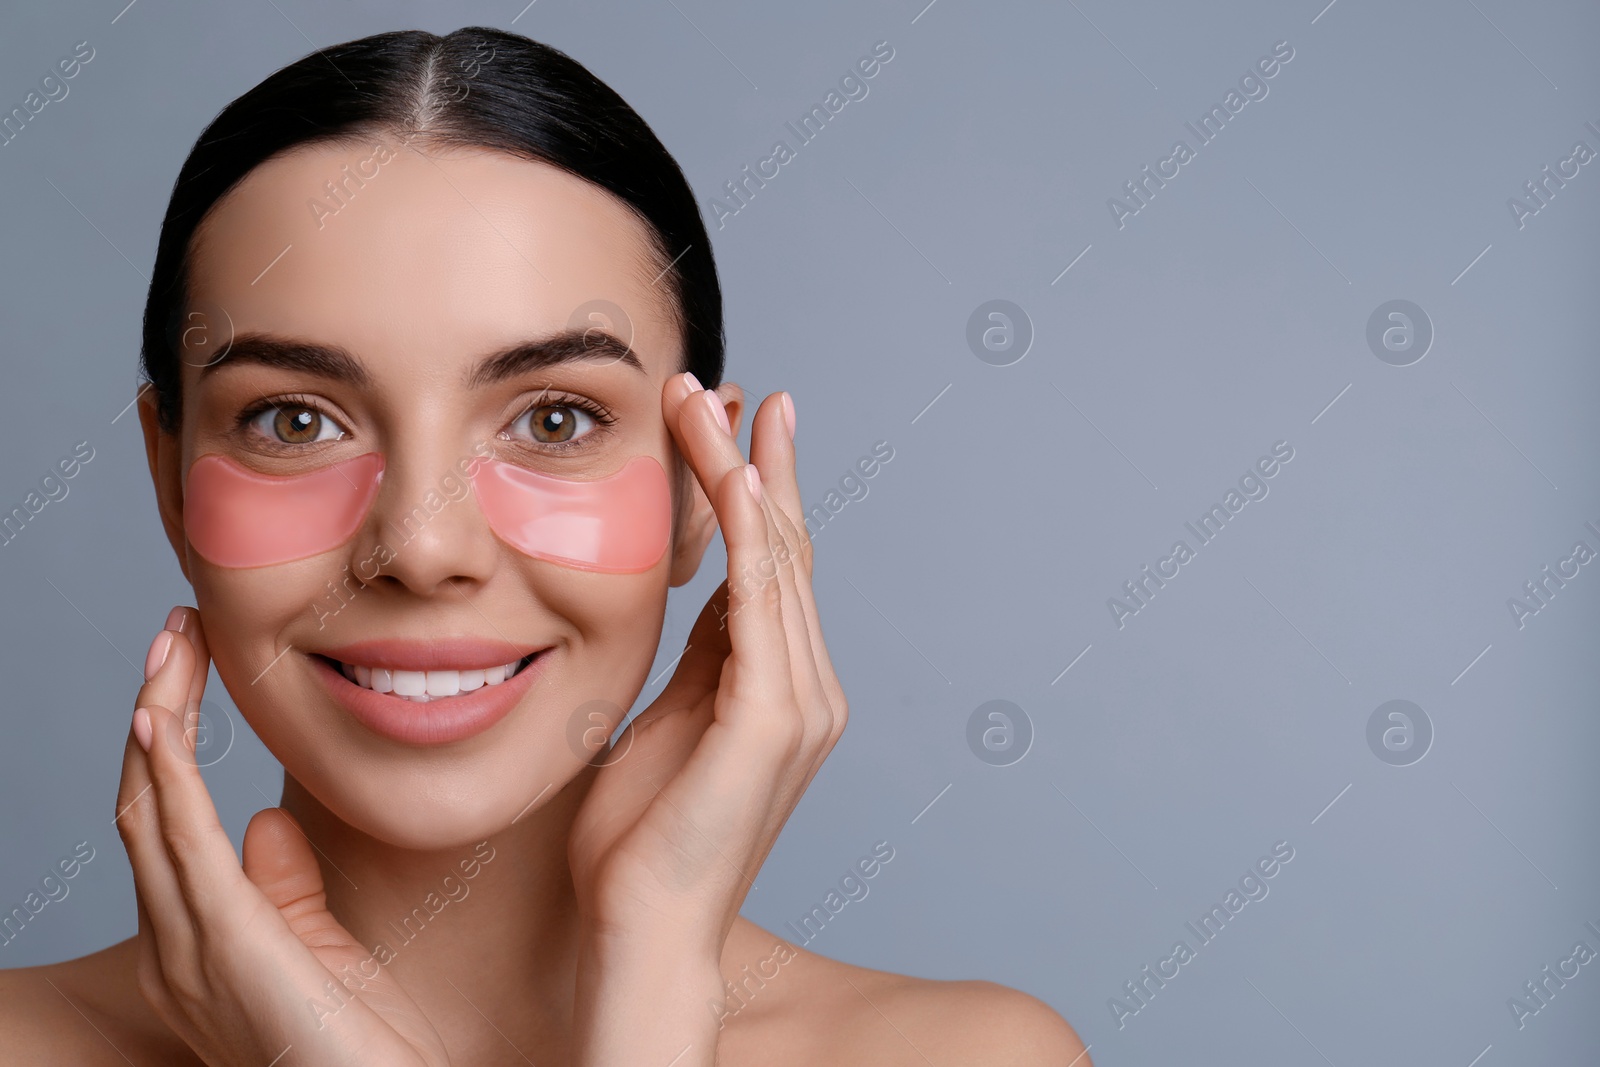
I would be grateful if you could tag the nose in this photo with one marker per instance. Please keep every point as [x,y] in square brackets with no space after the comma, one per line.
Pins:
[425,530]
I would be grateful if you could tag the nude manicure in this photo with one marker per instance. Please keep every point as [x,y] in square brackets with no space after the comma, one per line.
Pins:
[721,412]
[160,648]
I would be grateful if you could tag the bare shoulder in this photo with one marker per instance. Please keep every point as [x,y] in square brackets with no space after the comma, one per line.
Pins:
[792,1007]
[973,1022]
[37,1020]
[86,1011]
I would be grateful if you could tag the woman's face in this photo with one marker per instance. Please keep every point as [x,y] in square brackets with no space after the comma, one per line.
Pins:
[343,301]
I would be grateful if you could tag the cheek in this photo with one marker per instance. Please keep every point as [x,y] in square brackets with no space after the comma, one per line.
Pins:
[619,524]
[238,518]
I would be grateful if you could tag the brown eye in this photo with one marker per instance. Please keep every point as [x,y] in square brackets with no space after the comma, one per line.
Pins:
[553,424]
[297,424]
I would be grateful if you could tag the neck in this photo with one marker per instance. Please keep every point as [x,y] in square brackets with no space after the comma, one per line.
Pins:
[494,922]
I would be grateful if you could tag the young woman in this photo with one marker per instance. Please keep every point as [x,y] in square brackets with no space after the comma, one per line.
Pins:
[435,419]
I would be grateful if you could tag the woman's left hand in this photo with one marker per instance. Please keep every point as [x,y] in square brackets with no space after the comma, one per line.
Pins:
[665,847]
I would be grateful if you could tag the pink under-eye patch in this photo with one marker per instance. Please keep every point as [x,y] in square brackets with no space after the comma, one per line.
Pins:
[237,517]
[620,524]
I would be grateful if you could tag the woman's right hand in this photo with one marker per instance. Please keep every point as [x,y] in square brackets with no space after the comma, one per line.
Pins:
[243,963]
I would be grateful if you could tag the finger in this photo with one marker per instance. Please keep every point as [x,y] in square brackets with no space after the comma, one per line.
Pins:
[714,457]
[155,882]
[691,416]
[807,698]
[757,675]
[138,819]
[199,849]
[186,620]
[278,859]
[756,569]
[710,450]
[817,677]
[700,663]
[152,965]
[772,450]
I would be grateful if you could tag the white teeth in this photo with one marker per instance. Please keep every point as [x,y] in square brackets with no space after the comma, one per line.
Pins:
[423,686]
[443,683]
[410,683]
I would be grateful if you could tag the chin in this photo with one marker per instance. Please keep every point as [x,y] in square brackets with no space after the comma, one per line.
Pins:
[439,801]
[402,779]
[422,823]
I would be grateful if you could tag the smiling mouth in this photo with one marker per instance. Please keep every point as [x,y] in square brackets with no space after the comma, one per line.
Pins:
[420,687]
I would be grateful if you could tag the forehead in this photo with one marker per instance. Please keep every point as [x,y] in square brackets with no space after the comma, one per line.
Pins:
[436,254]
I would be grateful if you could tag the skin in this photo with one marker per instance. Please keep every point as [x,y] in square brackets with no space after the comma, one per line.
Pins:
[607,917]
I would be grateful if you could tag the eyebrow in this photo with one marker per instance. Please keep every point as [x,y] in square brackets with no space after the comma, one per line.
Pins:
[332,361]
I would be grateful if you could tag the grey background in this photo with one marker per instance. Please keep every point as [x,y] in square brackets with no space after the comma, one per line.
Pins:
[1231,712]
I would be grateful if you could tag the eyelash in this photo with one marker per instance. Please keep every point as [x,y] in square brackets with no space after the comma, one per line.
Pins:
[600,413]
[602,416]
[292,401]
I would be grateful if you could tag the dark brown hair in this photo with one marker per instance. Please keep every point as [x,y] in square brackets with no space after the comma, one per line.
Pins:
[477,87]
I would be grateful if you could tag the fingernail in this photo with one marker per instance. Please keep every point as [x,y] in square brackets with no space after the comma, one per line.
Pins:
[721,413]
[694,383]
[752,478]
[788,412]
[141,727]
[159,649]
[177,619]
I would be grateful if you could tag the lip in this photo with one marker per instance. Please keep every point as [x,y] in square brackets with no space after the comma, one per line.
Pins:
[441,720]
